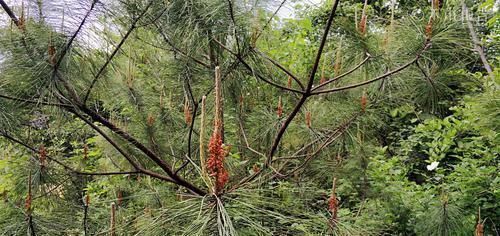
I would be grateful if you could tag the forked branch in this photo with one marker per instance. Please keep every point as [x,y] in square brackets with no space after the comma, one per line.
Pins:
[132,27]
[387,74]
[300,103]
[342,75]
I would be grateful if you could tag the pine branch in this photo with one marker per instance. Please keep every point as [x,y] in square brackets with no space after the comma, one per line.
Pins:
[9,12]
[233,21]
[270,19]
[332,138]
[175,179]
[18,23]
[176,49]
[34,102]
[191,128]
[132,27]
[149,153]
[387,74]
[343,75]
[253,72]
[65,166]
[307,93]
[321,47]
[73,37]
[426,76]
[300,103]
[477,43]
[281,67]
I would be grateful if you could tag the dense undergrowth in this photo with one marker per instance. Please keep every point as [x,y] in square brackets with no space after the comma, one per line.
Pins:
[215,117]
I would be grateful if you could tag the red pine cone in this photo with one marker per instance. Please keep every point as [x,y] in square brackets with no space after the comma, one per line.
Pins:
[308,119]
[187,113]
[42,152]
[333,204]
[322,80]
[150,120]
[52,55]
[479,229]
[255,168]
[428,29]
[362,25]
[119,198]
[22,19]
[215,162]
[364,102]
[87,200]
[242,99]
[279,110]
[85,151]
[27,203]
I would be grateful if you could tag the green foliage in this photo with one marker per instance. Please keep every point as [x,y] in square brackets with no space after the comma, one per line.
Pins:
[414,152]
[467,171]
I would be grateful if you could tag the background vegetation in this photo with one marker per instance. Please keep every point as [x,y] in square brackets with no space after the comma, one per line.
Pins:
[217,117]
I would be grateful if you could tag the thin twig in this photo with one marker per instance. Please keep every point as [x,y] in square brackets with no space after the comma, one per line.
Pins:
[338,133]
[300,103]
[270,19]
[177,50]
[477,43]
[321,46]
[34,102]
[149,153]
[387,74]
[115,51]
[9,12]
[342,75]
[233,20]
[253,72]
[73,37]
[277,64]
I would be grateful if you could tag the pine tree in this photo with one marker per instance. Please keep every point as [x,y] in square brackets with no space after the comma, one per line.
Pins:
[146,97]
